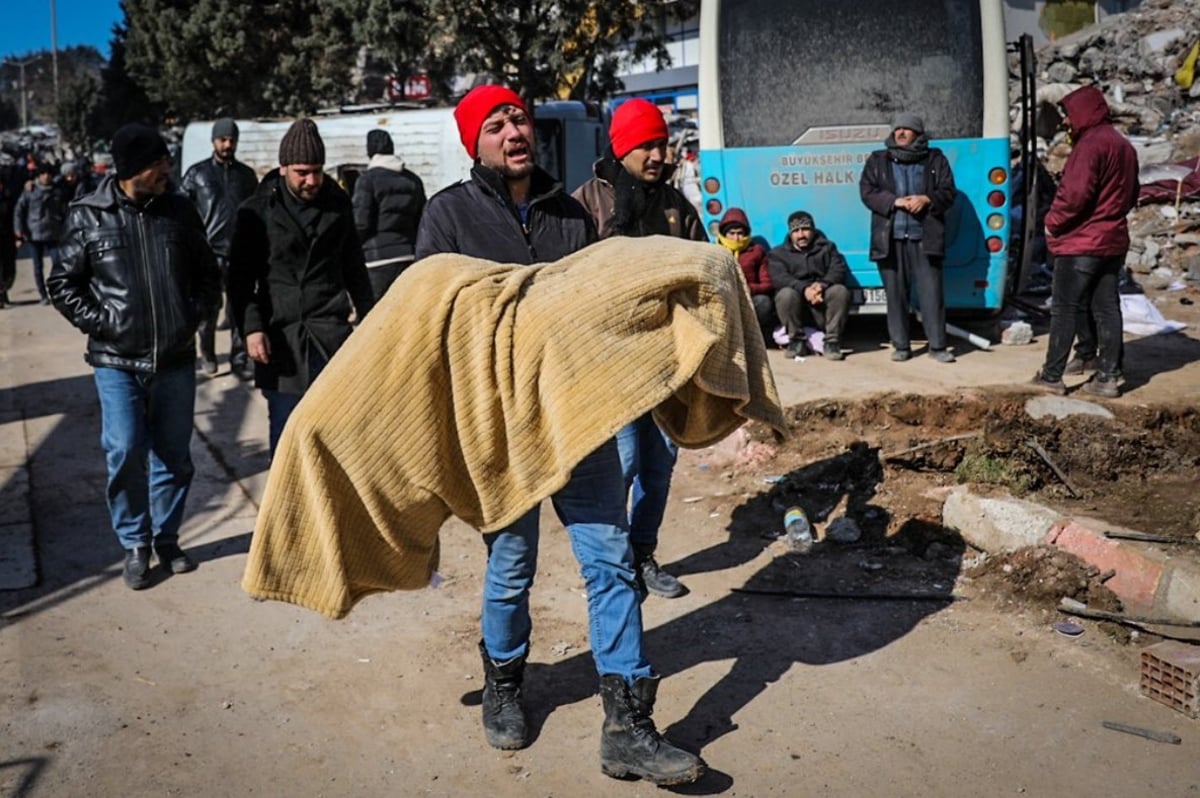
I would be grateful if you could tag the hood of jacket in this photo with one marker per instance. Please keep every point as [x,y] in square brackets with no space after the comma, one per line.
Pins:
[382,161]
[734,216]
[1086,108]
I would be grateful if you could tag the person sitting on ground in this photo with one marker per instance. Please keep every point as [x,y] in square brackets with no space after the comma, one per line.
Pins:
[733,233]
[809,275]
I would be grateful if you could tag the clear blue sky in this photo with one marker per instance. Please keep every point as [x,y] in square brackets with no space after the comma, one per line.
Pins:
[26,25]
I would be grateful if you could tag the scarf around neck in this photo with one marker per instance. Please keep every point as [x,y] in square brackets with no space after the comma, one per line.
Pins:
[915,152]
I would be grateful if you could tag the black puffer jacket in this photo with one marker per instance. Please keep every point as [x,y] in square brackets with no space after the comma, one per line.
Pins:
[137,280]
[388,201]
[477,218]
[877,186]
[820,262]
[294,289]
[217,189]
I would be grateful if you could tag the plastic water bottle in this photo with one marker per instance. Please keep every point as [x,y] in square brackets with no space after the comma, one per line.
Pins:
[798,531]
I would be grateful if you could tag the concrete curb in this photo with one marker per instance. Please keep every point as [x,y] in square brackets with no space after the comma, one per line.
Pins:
[1147,578]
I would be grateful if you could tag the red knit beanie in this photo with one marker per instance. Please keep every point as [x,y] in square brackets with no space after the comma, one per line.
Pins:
[634,123]
[476,107]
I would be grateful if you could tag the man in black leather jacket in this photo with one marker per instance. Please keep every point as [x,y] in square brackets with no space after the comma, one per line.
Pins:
[217,186]
[136,274]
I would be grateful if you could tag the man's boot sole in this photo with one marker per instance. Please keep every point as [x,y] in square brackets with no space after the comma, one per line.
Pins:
[505,744]
[617,770]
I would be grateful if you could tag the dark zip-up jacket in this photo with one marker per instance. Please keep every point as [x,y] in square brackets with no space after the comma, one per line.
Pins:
[877,186]
[137,280]
[476,217]
[39,214]
[795,268]
[295,289]
[217,189]
[388,201]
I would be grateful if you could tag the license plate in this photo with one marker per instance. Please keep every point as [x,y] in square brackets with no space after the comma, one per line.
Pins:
[871,296]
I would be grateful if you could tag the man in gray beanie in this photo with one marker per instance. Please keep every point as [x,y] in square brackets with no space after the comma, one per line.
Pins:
[294,259]
[388,200]
[908,188]
[136,274]
[217,186]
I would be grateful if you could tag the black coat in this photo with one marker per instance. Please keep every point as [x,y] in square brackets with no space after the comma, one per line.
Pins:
[877,186]
[217,190]
[136,280]
[477,218]
[388,201]
[819,263]
[295,290]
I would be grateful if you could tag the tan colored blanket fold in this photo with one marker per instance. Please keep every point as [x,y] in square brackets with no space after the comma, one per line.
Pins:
[474,388]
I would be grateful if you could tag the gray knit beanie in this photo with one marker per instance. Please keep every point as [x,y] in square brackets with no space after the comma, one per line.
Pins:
[302,144]
[225,128]
[911,122]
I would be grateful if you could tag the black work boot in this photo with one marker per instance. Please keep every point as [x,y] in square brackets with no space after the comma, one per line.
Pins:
[503,718]
[652,578]
[629,743]
[137,568]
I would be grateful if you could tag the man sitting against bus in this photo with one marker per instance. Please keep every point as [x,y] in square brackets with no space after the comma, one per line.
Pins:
[809,275]
[908,188]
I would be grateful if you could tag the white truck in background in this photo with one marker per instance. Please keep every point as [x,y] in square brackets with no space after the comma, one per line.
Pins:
[571,137]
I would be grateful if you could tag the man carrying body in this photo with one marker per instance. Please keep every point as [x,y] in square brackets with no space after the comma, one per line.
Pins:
[388,200]
[510,211]
[293,260]
[217,186]
[136,275]
[810,274]
[631,195]
[908,187]
[1088,235]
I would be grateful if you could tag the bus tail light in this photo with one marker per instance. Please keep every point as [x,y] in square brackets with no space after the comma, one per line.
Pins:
[997,176]
[713,206]
[995,244]
[996,199]
[995,221]
[712,185]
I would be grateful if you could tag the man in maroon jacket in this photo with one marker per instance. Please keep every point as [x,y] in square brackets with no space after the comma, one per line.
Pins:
[1088,236]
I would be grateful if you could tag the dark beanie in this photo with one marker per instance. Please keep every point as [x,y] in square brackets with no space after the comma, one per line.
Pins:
[225,128]
[302,144]
[134,147]
[379,142]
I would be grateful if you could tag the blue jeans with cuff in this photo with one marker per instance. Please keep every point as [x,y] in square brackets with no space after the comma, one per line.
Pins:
[647,462]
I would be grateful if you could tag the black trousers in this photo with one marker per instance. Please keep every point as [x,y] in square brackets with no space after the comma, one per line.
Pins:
[208,327]
[1085,282]
[829,316]
[905,268]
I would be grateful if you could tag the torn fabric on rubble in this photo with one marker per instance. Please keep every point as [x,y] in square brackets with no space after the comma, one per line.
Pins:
[474,388]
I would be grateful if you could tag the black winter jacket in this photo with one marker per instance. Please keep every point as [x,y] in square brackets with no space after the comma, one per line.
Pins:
[877,186]
[137,280]
[217,189]
[295,290]
[388,201]
[819,263]
[476,217]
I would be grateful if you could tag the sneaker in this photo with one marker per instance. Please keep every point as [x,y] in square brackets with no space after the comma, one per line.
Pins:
[210,366]
[1078,365]
[174,559]
[45,300]
[901,355]
[243,370]
[797,348]
[1097,386]
[656,580]
[833,351]
[137,568]
[1056,387]
[942,355]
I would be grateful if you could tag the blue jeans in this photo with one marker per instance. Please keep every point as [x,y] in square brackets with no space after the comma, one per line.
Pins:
[280,404]
[647,461]
[1084,283]
[146,432]
[591,509]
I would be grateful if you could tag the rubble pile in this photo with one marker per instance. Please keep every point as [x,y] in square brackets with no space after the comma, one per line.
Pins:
[1144,61]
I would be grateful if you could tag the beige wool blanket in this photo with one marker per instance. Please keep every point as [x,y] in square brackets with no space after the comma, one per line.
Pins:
[474,388]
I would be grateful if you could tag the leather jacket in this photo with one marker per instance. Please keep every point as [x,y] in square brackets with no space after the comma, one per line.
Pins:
[217,190]
[137,280]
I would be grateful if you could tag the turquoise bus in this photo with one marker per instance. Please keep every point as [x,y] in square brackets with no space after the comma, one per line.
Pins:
[795,94]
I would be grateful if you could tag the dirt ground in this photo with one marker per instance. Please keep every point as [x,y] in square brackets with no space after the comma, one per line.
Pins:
[903,664]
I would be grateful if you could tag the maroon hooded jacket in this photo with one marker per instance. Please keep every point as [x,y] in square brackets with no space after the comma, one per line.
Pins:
[1099,184]
[752,259]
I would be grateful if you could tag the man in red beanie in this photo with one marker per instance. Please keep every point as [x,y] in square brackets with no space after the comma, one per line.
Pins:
[631,195]
[511,211]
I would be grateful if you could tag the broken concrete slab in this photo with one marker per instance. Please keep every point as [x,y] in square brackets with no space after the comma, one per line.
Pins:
[997,524]
[1062,407]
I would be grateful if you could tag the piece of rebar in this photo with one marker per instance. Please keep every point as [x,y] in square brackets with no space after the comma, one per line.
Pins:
[939,442]
[1058,472]
[1149,538]
[1072,607]
[1149,734]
